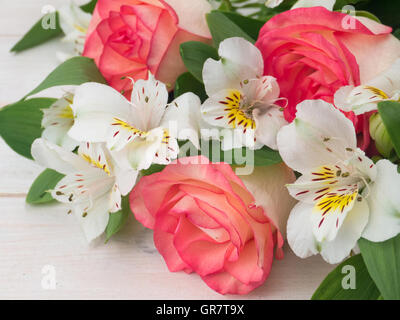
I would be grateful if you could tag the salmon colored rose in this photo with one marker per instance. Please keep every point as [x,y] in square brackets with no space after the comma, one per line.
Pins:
[129,38]
[313,52]
[205,220]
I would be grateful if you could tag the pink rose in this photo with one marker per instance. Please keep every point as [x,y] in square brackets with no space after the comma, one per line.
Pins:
[206,221]
[129,38]
[313,52]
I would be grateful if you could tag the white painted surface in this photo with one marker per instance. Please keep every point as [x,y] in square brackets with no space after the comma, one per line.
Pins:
[128,267]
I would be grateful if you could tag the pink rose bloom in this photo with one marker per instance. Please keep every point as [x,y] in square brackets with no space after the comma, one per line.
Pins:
[205,220]
[129,38]
[313,52]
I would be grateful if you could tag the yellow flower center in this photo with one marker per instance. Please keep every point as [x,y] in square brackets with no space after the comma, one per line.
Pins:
[235,113]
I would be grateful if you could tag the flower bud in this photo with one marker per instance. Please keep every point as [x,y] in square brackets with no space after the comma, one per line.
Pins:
[380,135]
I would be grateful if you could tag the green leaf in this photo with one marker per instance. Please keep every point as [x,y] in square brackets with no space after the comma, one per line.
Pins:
[383,262]
[38,35]
[221,28]
[397,34]
[153,169]
[20,123]
[89,7]
[266,157]
[332,289]
[118,219]
[194,54]
[390,114]
[251,26]
[74,71]
[188,83]
[47,180]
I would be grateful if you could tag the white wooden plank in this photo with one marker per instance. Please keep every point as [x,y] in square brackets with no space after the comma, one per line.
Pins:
[22,72]
[17,172]
[128,267]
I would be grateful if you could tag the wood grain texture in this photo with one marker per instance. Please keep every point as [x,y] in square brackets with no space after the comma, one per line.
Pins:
[128,267]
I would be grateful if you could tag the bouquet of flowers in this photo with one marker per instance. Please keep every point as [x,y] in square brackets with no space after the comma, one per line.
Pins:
[229,128]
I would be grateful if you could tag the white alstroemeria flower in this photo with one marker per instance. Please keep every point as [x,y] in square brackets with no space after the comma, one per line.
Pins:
[93,184]
[365,98]
[138,132]
[57,121]
[74,22]
[241,99]
[342,193]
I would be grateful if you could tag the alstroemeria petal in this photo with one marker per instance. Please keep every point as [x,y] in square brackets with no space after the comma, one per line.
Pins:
[57,120]
[267,185]
[115,199]
[320,135]
[331,210]
[384,203]
[97,156]
[182,118]
[364,165]
[73,20]
[236,139]
[365,98]
[59,136]
[299,231]
[313,185]
[150,98]
[125,179]
[241,58]
[268,123]
[346,239]
[95,220]
[341,98]
[141,152]
[216,79]
[82,188]
[240,61]
[54,157]
[95,107]
[168,150]
[265,90]
[121,133]
[360,100]
[389,81]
